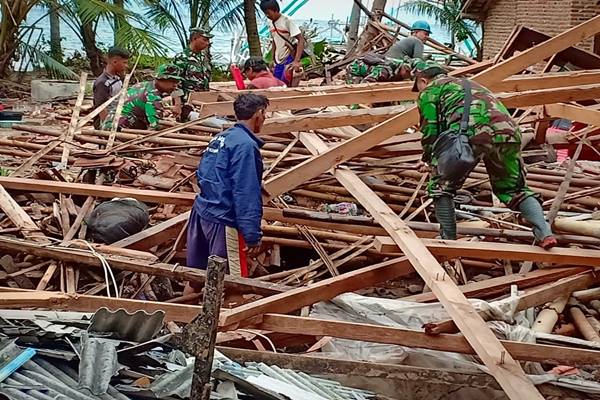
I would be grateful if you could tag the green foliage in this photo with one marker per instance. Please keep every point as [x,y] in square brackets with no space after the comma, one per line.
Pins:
[221,15]
[54,68]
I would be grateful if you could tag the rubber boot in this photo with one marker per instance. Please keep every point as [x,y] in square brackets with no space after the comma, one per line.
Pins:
[532,211]
[446,217]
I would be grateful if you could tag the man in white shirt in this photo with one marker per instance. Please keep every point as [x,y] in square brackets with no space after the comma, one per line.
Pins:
[288,42]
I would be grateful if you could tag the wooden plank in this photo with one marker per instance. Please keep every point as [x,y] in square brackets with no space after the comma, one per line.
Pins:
[573,113]
[109,192]
[21,298]
[352,147]
[243,285]
[155,235]
[556,355]
[47,276]
[500,251]
[539,52]
[53,145]
[400,92]
[20,218]
[503,367]
[326,289]
[73,126]
[495,287]
[532,298]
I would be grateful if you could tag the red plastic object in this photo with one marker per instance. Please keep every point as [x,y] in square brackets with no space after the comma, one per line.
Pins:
[1,107]
[238,77]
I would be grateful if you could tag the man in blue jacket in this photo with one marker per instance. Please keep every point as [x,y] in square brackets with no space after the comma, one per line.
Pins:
[225,219]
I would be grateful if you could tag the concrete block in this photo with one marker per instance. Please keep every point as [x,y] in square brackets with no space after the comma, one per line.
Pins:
[49,90]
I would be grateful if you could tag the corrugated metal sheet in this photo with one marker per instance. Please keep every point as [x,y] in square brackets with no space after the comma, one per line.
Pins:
[137,327]
[98,364]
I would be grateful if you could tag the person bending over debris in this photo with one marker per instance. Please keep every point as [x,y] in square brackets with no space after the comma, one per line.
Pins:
[256,69]
[414,45]
[463,123]
[143,108]
[194,63]
[109,83]
[225,219]
[376,68]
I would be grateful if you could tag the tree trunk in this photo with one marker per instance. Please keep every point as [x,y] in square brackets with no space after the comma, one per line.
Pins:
[55,40]
[378,6]
[92,52]
[354,25]
[117,23]
[252,28]
[9,28]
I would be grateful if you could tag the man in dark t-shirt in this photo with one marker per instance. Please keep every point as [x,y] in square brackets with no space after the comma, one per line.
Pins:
[109,83]
[412,46]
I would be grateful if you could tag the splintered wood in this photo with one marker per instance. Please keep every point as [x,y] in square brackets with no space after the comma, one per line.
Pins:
[345,210]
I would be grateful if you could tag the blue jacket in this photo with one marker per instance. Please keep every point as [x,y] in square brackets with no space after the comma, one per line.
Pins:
[230,178]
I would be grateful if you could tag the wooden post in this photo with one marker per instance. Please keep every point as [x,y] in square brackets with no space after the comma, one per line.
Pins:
[200,335]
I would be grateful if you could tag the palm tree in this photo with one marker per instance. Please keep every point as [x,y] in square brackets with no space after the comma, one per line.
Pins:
[181,15]
[131,31]
[448,15]
[13,13]
[252,28]
[55,40]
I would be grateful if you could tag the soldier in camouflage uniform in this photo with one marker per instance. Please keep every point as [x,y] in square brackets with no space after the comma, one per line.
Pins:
[493,137]
[194,63]
[383,70]
[143,107]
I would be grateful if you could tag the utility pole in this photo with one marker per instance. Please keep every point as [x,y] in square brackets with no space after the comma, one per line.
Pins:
[354,25]
[378,8]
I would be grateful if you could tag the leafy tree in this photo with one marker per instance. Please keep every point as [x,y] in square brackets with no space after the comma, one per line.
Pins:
[447,14]
[181,15]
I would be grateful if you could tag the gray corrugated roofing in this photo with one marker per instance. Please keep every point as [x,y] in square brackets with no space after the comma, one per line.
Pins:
[137,327]
[98,365]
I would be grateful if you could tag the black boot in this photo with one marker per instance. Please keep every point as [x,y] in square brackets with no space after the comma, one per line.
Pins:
[446,216]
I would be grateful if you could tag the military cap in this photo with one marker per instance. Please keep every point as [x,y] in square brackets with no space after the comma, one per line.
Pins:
[420,66]
[168,72]
[202,32]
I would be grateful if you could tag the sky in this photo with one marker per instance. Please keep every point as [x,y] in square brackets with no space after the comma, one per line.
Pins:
[324,8]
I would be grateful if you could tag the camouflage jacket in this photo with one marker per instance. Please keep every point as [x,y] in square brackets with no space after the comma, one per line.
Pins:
[441,107]
[361,72]
[143,107]
[196,71]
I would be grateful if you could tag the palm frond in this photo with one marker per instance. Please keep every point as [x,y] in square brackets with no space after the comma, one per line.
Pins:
[90,11]
[54,68]
[140,40]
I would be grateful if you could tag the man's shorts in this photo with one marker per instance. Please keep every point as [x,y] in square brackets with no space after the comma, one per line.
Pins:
[206,238]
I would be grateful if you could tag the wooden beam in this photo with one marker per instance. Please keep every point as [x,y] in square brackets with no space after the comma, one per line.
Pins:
[503,367]
[539,52]
[23,298]
[76,256]
[20,218]
[326,289]
[573,113]
[352,147]
[557,355]
[155,235]
[501,285]
[400,91]
[500,251]
[109,192]
[532,298]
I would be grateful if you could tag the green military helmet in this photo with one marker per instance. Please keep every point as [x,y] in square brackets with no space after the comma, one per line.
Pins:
[420,66]
[202,32]
[421,26]
[168,72]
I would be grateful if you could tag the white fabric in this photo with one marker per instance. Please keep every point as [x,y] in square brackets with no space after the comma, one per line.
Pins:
[287,28]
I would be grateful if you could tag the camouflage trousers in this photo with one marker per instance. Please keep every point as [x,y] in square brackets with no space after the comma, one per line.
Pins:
[360,72]
[504,166]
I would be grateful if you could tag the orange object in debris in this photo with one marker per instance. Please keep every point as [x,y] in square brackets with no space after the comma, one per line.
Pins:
[238,77]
